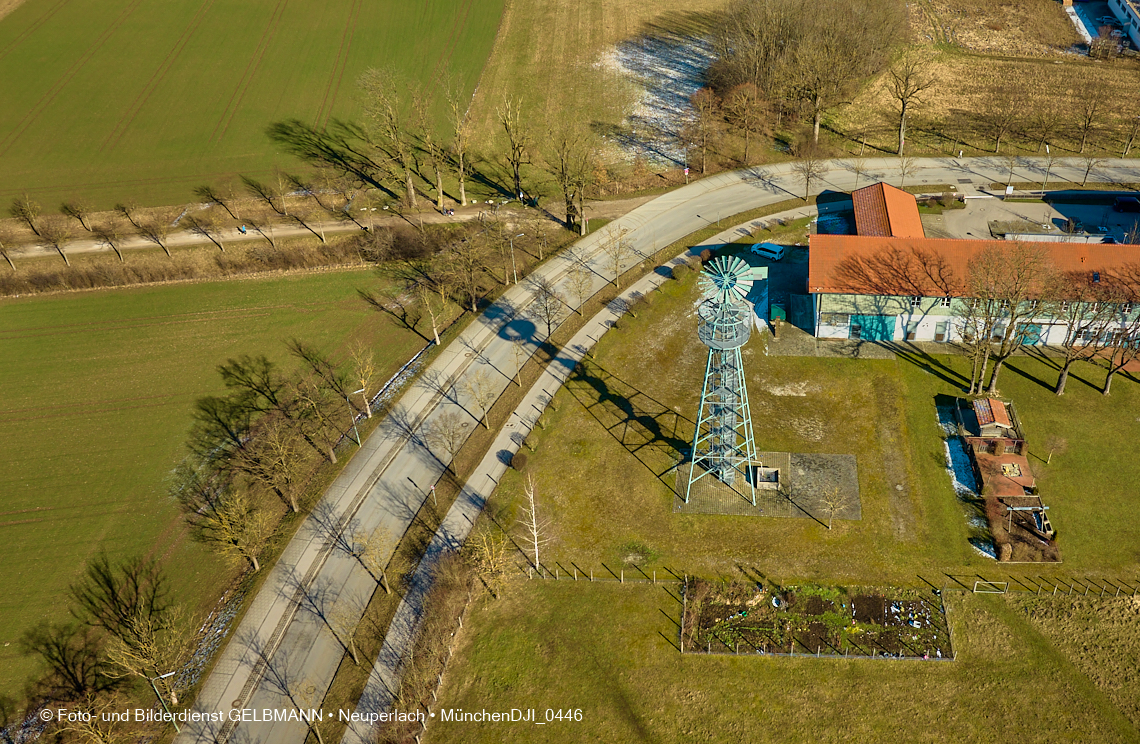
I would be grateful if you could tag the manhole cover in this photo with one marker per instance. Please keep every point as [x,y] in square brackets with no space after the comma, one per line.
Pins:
[964,180]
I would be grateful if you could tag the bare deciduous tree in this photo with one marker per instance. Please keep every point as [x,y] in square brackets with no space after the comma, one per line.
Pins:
[385,112]
[226,201]
[152,645]
[617,251]
[810,169]
[548,304]
[746,110]
[518,139]
[535,528]
[274,459]
[906,82]
[55,232]
[1085,317]
[447,431]
[460,133]
[235,528]
[206,225]
[580,281]
[7,241]
[79,210]
[1020,282]
[481,389]
[858,166]
[907,166]
[374,550]
[112,233]
[26,211]
[363,373]
[703,130]
[487,552]
[834,501]
[1092,162]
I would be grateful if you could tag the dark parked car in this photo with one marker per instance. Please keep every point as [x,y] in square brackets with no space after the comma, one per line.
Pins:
[1126,204]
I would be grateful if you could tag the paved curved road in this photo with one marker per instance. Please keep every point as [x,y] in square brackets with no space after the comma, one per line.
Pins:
[283,654]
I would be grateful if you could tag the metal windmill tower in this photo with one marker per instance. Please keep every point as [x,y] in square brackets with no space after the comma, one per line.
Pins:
[723,445]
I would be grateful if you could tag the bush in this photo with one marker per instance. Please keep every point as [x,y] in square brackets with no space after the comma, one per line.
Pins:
[678,272]
[706,255]
[518,461]
[947,199]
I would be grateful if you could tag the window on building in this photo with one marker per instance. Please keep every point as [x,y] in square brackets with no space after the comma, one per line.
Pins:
[1065,307]
[940,331]
[1033,304]
[975,303]
[916,301]
[944,302]
[911,331]
[1127,308]
[834,319]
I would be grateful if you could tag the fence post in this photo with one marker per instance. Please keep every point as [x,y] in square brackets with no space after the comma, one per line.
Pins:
[654,578]
[623,576]
[529,572]
[557,576]
[591,574]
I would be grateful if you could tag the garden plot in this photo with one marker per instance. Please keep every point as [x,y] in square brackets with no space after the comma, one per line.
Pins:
[667,68]
[746,617]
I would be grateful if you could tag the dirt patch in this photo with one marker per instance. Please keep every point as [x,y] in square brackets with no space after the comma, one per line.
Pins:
[7,6]
[869,609]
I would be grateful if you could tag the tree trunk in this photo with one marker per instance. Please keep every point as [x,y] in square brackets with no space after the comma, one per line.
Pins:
[9,260]
[817,116]
[1063,377]
[409,188]
[255,562]
[994,376]
[63,255]
[384,582]
[902,130]
[747,138]
[1108,381]
[438,190]
[332,455]
[462,182]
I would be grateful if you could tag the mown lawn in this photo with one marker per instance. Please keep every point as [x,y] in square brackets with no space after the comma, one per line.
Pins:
[97,390]
[609,651]
[116,101]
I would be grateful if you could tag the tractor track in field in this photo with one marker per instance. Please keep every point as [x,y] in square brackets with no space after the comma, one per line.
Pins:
[458,26]
[127,326]
[32,28]
[339,66]
[66,78]
[156,78]
[77,411]
[74,406]
[251,69]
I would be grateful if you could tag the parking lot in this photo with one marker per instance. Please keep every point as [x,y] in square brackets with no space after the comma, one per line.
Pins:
[1050,218]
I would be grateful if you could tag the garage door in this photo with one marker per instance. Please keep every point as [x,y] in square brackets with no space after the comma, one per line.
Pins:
[873,327]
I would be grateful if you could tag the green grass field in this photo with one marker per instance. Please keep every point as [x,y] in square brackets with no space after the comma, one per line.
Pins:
[632,411]
[97,390]
[116,100]
[609,650]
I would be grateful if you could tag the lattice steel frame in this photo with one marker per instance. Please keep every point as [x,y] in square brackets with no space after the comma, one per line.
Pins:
[723,444]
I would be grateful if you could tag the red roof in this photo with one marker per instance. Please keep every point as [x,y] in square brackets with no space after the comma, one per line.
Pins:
[937,267]
[992,411]
[883,211]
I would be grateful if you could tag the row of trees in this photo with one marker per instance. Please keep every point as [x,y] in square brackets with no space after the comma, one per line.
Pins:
[1011,294]
[253,450]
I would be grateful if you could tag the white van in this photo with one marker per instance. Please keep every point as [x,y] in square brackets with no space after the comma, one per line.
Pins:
[770,251]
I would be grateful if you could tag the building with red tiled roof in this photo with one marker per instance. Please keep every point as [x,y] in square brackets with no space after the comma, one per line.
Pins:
[883,211]
[894,289]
